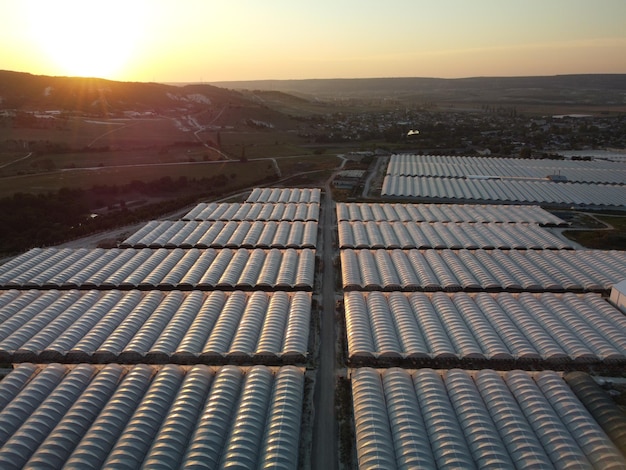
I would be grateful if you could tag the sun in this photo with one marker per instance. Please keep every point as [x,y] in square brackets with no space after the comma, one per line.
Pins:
[87,38]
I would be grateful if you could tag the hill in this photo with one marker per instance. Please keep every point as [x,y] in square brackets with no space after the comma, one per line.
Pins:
[23,91]
[595,89]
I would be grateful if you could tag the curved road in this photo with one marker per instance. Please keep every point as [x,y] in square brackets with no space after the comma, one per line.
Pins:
[18,160]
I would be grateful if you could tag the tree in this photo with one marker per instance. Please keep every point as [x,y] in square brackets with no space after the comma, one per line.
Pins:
[48,164]
[525,152]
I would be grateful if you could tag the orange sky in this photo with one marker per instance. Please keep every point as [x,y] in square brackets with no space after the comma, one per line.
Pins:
[204,40]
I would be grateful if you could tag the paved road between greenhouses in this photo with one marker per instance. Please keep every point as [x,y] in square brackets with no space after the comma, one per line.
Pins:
[325,423]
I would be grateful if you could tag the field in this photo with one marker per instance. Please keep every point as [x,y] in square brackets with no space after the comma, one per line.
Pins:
[612,237]
[249,173]
[99,132]
[82,152]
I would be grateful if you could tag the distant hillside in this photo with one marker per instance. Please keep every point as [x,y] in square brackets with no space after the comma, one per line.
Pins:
[599,89]
[23,91]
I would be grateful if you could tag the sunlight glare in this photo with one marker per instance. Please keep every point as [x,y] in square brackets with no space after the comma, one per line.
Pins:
[88,39]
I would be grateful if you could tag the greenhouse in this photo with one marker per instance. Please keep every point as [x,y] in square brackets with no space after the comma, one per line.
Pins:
[458,419]
[160,327]
[596,171]
[549,329]
[222,234]
[505,190]
[440,235]
[381,212]
[161,268]
[254,211]
[285,195]
[476,270]
[91,417]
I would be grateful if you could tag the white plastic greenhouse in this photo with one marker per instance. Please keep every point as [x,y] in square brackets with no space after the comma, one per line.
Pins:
[381,212]
[254,211]
[88,416]
[459,419]
[453,270]
[596,171]
[220,234]
[552,328]
[161,268]
[160,326]
[285,195]
[463,235]
[501,191]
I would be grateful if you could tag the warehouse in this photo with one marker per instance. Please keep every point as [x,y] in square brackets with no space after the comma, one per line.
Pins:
[379,212]
[84,416]
[440,235]
[222,234]
[484,419]
[161,269]
[512,330]
[475,270]
[154,326]
[285,195]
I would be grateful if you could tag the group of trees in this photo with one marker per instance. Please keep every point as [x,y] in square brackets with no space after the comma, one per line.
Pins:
[30,220]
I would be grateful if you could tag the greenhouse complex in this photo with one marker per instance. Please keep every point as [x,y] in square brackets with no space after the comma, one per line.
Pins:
[184,348]
[566,183]
[465,335]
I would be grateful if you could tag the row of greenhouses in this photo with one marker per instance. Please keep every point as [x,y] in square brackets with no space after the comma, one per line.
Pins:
[439,235]
[254,211]
[162,268]
[462,166]
[153,326]
[505,190]
[222,234]
[388,212]
[455,270]
[485,419]
[91,417]
[549,328]
[285,195]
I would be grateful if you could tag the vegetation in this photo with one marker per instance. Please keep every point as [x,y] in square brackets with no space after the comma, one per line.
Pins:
[345,419]
[611,238]
[32,220]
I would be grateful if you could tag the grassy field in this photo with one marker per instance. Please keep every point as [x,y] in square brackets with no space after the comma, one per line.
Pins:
[303,163]
[143,168]
[99,132]
[148,156]
[41,173]
[250,173]
[75,152]
[259,144]
[611,239]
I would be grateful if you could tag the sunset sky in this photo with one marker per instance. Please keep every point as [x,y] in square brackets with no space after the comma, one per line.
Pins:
[205,40]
